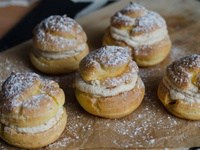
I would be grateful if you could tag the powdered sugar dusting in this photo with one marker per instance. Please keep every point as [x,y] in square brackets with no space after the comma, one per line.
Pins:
[126,77]
[148,127]
[179,71]
[141,129]
[59,32]
[59,41]
[108,56]
[34,101]
[17,83]
[60,143]
[119,18]
[190,62]
[133,7]
[122,17]
[79,123]
[141,20]
[149,22]
[60,23]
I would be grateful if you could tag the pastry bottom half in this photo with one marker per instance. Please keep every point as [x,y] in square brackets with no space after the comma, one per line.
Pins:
[58,66]
[33,140]
[179,108]
[112,106]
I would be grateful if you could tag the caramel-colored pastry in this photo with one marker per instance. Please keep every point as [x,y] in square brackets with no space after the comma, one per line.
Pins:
[59,45]
[31,111]
[143,31]
[108,84]
[179,88]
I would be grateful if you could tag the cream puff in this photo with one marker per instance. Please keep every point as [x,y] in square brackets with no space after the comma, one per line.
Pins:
[31,111]
[179,88]
[59,45]
[108,84]
[143,31]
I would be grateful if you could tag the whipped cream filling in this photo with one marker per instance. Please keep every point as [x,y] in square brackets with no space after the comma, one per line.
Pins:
[41,128]
[190,95]
[60,55]
[144,39]
[100,90]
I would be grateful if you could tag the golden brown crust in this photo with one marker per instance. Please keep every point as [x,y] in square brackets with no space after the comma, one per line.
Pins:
[27,100]
[178,107]
[37,140]
[138,19]
[58,33]
[58,66]
[185,71]
[108,61]
[108,84]
[147,55]
[152,54]
[113,106]
[59,45]
[179,89]
[129,25]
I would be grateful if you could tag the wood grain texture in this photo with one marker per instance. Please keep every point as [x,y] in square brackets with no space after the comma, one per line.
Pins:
[150,126]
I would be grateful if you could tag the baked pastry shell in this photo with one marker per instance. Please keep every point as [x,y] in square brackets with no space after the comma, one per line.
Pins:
[27,117]
[179,108]
[36,140]
[58,66]
[113,106]
[149,55]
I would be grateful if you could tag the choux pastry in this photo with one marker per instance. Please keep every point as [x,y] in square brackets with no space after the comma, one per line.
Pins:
[31,111]
[108,84]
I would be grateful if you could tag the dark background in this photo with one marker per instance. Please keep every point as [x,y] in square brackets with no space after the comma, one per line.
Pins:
[23,30]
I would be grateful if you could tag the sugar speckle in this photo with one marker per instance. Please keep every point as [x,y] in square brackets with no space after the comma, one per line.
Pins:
[179,71]
[15,94]
[60,23]
[53,30]
[125,78]
[108,56]
[133,7]
[142,20]
[17,83]
[149,22]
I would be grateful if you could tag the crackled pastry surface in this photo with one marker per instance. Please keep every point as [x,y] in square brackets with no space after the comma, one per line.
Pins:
[179,88]
[107,72]
[30,109]
[58,33]
[106,78]
[183,79]
[142,30]
[59,45]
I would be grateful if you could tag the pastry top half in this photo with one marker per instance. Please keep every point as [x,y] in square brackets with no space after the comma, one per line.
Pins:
[182,78]
[137,26]
[59,34]
[28,100]
[107,71]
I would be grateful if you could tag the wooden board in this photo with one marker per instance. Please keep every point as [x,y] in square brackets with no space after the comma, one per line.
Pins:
[150,126]
[11,15]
